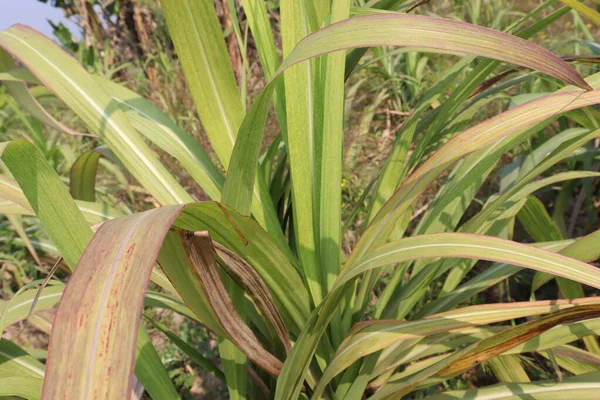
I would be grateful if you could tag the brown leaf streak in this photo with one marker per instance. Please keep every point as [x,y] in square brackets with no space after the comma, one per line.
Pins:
[200,252]
[232,222]
[252,283]
[499,344]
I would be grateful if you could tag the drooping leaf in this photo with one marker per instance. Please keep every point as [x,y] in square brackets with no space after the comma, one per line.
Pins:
[370,336]
[23,96]
[393,29]
[105,296]
[460,245]
[64,76]
[70,233]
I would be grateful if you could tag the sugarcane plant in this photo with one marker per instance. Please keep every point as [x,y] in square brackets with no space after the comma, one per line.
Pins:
[262,264]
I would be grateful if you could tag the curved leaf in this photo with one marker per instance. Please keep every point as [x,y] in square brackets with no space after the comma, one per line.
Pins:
[71,83]
[370,336]
[27,100]
[95,327]
[26,387]
[464,245]
[542,390]
[16,361]
[75,360]
[48,197]
[83,176]
[436,34]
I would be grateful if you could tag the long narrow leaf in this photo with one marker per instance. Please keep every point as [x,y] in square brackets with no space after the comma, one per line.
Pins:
[81,93]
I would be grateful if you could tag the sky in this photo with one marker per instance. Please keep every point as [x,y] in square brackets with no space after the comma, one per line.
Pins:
[33,13]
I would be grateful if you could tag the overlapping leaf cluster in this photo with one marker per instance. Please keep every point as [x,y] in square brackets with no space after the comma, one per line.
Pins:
[262,265]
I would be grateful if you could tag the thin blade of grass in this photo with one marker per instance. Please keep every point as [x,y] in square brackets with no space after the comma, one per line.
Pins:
[188,350]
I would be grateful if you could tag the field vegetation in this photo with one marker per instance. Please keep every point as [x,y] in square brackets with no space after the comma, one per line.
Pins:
[332,199]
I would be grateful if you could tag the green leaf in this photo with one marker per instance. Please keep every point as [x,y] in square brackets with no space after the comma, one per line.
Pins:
[26,387]
[260,25]
[68,230]
[20,305]
[461,245]
[584,388]
[196,33]
[331,167]
[484,280]
[301,143]
[17,362]
[188,350]
[70,82]
[157,127]
[48,198]
[83,176]
[537,222]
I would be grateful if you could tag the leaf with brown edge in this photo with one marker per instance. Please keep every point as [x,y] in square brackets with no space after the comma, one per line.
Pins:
[392,29]
[200,252]
[506,340]
[367,337]
[487,348]
[96,326]
[95,331]
[251,282]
